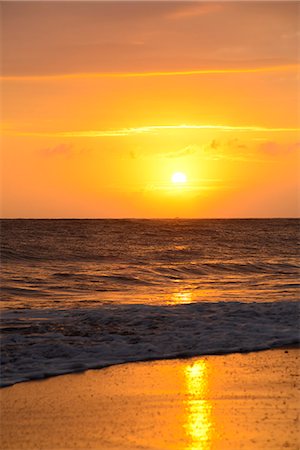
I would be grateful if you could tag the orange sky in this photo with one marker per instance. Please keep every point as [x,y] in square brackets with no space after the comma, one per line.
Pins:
[103,101]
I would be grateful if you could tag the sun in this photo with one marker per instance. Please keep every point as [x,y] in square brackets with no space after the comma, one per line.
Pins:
[179,177]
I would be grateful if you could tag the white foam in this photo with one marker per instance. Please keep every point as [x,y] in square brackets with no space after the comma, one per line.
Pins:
[42,343]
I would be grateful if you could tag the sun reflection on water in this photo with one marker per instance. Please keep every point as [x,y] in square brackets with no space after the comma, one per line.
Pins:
[199,418]
[181,297]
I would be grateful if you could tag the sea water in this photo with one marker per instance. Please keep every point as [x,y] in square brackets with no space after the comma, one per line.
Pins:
[79,294]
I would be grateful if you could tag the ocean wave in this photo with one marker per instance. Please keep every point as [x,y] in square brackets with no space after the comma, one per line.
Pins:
[42,343]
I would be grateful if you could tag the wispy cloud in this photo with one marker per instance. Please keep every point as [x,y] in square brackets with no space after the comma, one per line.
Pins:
[231,149]
[186,151]
[58,150]
[94,75]
[194,10]
[153,129]
[236,150]
[275,148]
[62,150]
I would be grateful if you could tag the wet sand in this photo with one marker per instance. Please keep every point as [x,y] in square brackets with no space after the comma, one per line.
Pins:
[240,401]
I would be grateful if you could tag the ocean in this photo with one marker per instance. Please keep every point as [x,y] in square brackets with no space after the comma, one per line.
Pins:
[81,294]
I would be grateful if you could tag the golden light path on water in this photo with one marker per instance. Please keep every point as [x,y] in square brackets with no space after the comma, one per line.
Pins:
[189,295]
[198,420]
[198,424]
[181,297]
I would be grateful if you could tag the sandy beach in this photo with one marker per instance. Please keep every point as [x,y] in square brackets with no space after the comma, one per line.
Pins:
[237,401]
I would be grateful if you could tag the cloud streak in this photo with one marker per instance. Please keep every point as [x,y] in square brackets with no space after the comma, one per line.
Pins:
[123,132]
[194,10]
[187,151]
[222,71]
[58,150]
[275,148]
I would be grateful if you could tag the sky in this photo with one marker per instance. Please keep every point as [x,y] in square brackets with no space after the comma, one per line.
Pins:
[102,102]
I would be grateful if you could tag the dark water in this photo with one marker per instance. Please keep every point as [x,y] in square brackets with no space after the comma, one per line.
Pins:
[47,263]
[78,294]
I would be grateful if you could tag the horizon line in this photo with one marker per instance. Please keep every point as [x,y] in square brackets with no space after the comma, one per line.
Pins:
[152,218]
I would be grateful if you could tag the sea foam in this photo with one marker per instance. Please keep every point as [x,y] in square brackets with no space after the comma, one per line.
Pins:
[42,343]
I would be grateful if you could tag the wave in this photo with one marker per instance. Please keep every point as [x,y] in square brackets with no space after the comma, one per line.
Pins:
[42,343]
[46,255]
[164,264]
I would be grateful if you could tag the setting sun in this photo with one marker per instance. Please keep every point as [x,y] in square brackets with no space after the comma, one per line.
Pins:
[179,177]
[190,128]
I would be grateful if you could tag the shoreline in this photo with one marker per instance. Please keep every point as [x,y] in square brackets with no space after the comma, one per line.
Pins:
[240,400]
[154,359]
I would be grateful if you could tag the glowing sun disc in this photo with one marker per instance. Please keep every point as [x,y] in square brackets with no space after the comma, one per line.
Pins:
[179,177]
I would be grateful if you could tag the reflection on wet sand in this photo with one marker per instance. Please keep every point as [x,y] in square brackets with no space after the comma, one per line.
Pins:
[199,418]
[236,401]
